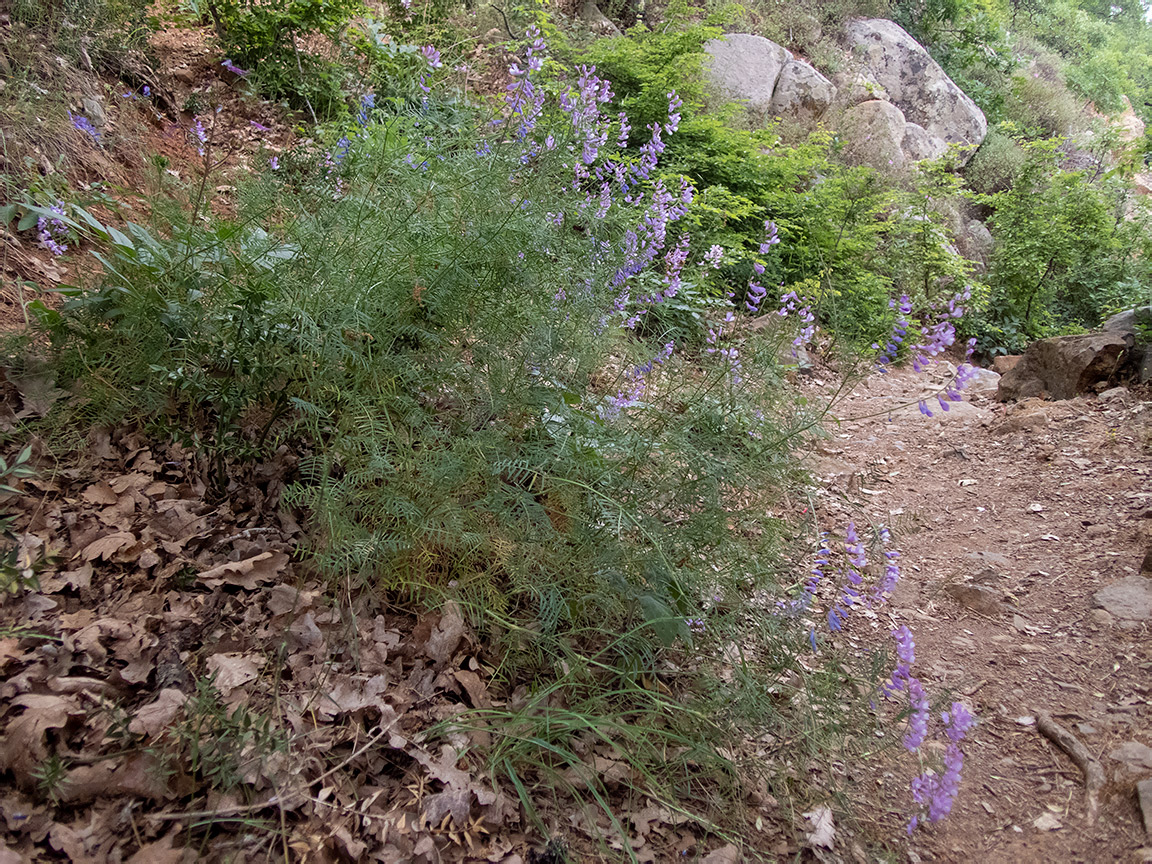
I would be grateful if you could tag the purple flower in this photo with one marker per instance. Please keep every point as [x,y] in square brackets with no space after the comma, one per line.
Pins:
[636,385]
[274,163]
[958,722]
[713,257]
[83,124]
[367,103]
[51,232]
[431,55]
[199,134]
[234,69]
[918,718]
[937,792]
[259,127]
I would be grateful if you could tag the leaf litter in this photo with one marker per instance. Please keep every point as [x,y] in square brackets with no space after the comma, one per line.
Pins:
[313,734]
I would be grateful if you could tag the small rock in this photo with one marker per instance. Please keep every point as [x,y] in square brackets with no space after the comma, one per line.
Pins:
[95,112]
[1112,394]
[983,381]
[1146,564]
[1003,364]
[1100,617]
[1047,822]
[1134,756]
[1144,794]
[1130,598]
[1024,420]
[1097,531]
[185,76]
[978,598]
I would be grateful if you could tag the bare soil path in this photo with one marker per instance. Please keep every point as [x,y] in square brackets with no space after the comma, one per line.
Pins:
[1011,519]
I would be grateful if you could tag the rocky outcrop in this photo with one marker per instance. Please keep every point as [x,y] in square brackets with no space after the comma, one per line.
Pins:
[916,84]
[801,92]
[1136,325]
[874,132]
[1064,366]
[745,68]
[975,243]
[918,144]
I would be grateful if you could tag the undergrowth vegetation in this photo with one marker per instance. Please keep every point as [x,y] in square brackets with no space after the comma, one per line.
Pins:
[532,356]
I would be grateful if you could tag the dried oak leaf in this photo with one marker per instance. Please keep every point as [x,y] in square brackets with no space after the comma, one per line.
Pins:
[349,694]
[79,579]
[161,851]
[234,670]
[138,776]
[247,573]
[447,635]
[156,716]
[823,830]
[23,747]
[121,546]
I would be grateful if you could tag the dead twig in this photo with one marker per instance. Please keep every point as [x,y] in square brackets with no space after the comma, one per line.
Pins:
[1093,771]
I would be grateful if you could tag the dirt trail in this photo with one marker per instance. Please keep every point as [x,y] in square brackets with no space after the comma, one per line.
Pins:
[1010,519]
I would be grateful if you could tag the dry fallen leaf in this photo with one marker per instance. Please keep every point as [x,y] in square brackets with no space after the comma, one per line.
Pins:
[823,830]
[23,749]
[724,855]
[247,573]
[234,670]
[446,637]
[122,545]
[155,717]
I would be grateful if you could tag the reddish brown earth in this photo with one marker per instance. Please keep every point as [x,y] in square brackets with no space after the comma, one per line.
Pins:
[1040,505]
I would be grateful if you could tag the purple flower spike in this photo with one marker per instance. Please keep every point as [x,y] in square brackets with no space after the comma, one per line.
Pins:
[234,69]
[83,124]
[432,56]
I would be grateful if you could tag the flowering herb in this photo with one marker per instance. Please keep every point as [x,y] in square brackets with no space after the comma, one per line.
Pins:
[637,384]
[432,56]
[199,134]
[229,66]
[83,124]
[51,232]
[713,257]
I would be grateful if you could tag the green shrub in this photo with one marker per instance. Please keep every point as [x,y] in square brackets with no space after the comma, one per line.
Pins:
[266,39]
[994,166]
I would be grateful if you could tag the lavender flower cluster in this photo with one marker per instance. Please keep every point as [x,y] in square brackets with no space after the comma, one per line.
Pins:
[936,334]
[51,232]
[847,576]
[933,791]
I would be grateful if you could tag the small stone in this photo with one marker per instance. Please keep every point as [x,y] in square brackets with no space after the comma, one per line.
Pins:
[1134,756]
[95,112]
[185,76]
[978,598]
[1100,617]
[1144,794]
[1130,598]
[1112,394]
[1047,822]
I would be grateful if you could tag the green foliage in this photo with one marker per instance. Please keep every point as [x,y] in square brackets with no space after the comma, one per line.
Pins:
[267,39]
[1070,248]
[100,29]
[218,745]
[994,166]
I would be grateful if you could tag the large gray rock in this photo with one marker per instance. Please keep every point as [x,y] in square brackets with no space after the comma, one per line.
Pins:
[1136,321]
[745,68]
[919,144]
[874,132]
[916,83]
[975,243]
[801,92]
[596,20]
[1064,366]
[854,87]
